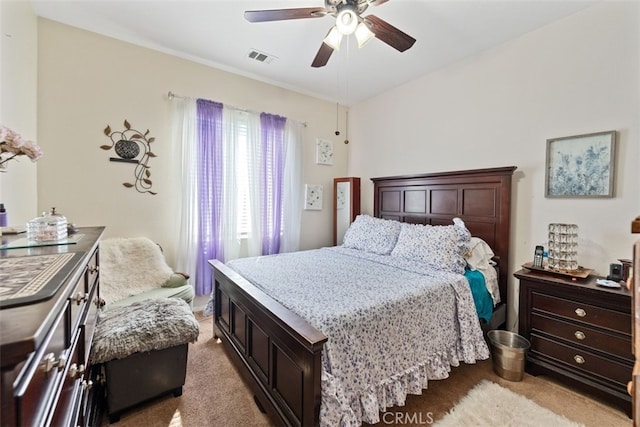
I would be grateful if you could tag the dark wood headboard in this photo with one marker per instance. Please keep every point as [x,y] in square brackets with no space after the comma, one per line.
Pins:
[480,197]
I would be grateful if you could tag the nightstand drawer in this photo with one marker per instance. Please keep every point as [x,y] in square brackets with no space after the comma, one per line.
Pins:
[583,335]
[578,311]
[582,360]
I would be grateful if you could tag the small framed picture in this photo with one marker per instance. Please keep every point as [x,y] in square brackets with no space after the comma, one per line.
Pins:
[324,152]
[313,197]
[581,166]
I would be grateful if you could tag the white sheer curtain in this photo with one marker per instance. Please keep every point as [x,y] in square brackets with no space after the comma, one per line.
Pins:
[253,239]
[185,134]
[233,124]
[292,200]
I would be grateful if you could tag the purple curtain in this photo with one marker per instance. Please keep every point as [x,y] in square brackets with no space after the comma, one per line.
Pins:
[210,181]
[272,180]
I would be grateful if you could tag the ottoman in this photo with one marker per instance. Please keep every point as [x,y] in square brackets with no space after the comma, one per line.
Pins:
[143,350]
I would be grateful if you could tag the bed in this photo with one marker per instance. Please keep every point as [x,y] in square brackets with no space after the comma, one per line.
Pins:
[288,362]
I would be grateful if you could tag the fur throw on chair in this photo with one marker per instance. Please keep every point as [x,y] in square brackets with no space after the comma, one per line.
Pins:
[129,266]
[149,325]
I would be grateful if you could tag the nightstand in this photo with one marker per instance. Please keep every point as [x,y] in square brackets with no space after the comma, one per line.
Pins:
[580,333]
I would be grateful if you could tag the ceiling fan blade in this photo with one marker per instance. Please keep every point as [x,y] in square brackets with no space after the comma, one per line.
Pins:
[389,34]
[323,55]
[283,14]
[377,2]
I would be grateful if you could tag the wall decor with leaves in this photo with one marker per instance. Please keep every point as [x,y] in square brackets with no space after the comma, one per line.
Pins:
[132,146]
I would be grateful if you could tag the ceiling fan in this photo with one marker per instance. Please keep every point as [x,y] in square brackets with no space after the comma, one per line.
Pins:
[348,21]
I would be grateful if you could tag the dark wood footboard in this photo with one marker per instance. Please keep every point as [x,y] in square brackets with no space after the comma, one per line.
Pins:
[277,352]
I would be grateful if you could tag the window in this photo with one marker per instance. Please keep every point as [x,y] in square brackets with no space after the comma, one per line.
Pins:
[242,179]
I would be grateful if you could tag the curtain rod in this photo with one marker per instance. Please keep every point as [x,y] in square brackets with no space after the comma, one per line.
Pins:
[172,95]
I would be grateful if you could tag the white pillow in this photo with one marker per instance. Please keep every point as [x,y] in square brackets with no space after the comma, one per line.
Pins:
[479,254]
[479,258]
[442,247]
[371,234]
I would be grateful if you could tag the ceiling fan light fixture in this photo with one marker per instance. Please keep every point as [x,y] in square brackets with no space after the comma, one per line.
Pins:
[347,20]
[334,38]
[363,34]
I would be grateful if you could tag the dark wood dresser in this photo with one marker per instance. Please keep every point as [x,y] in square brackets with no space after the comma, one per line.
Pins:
[44,345]
[580,333]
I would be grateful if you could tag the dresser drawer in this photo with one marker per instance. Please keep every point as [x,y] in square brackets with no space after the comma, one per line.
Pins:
[66,411]
[585,361]
[92,271]
[583,335]
[77,307]
[88,323]
[589,314]
[37,382]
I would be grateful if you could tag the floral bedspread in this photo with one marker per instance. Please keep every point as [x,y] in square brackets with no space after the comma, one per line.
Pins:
[391,325]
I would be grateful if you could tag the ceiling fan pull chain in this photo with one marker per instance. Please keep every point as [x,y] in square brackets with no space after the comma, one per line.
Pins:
[346,127]
[337,113]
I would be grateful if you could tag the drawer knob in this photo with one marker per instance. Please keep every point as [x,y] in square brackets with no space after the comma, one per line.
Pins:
[94,269]
[579,335]
[49,362]
[579,359]
[99,302]
[630,388]
[580,312]
[62,362]
[79,298]
[76,371]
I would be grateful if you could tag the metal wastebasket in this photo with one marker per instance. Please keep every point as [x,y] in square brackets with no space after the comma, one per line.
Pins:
[508,351]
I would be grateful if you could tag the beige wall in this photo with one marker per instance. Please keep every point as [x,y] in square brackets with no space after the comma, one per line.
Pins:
[88,81]
[18,105]
[576,76]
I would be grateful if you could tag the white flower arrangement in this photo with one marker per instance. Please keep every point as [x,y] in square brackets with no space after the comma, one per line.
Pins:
[12,145]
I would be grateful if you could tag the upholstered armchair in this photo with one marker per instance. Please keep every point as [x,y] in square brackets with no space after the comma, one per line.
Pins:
[134,269]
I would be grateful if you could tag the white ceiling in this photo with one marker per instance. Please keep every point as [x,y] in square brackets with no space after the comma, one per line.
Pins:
[215,33]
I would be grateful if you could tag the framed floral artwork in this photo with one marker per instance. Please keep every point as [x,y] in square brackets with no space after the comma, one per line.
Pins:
[581,166]
[313,197]
[324,152]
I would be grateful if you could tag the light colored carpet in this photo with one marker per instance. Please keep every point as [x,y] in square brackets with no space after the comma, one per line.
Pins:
[488,405]
[215,395]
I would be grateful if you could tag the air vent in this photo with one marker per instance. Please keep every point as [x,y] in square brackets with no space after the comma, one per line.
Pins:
[260,56]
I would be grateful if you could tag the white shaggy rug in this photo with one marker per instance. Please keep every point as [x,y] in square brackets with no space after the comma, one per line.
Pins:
[490,405]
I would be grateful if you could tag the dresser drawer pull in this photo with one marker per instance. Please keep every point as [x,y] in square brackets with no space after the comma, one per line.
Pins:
[87,385]
[579,359]
[580,312]
[94,269]
[79,298]
[49,362]
[76,371]
[579,335]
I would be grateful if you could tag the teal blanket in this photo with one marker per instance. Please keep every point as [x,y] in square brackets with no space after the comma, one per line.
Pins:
[481,296]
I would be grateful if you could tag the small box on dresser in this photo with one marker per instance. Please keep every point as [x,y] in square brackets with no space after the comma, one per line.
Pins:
[580,333]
